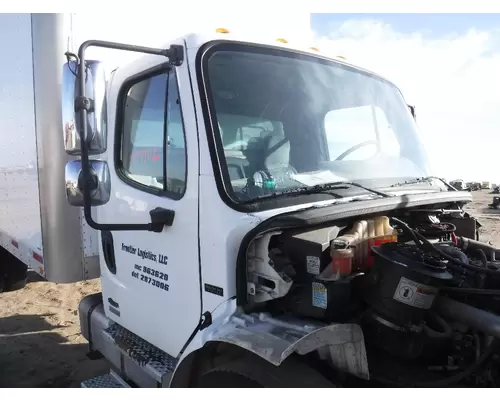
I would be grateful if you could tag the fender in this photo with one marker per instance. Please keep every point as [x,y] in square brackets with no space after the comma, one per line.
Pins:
[276,338]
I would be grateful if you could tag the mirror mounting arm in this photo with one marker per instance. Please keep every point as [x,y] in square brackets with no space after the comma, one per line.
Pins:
[84,106]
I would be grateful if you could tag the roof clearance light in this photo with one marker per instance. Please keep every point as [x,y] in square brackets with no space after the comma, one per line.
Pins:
[281,40]
[342,57]
[314,48]
[222,30]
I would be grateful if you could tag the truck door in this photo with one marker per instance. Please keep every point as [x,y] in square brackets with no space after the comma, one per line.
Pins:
[151,281]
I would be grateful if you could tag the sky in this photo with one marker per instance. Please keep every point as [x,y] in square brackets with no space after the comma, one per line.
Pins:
[149,29]
[447,65]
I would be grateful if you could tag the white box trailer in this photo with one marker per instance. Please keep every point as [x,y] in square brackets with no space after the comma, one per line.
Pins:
[37,224]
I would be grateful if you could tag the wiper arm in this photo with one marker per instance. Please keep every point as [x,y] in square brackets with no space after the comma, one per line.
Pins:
[338,185]
[324,188]
[297,192]
[424,179]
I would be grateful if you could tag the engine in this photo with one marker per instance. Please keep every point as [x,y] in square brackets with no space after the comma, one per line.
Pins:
[426,296]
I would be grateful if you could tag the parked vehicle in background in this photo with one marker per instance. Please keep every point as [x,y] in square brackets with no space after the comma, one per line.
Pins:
[486,185]
[495,204]
[458,184]
[473,186]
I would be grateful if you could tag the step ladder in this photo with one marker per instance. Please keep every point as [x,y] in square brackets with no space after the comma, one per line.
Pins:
[156,365]
[109,380]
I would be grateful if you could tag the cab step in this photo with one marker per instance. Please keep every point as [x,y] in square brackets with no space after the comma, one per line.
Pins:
[155,362]
[110,380]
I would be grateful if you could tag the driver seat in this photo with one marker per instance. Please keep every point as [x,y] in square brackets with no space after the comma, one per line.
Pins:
[277,151]
[270,152]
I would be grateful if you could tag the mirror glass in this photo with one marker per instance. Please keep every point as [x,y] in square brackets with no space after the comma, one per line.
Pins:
[100,183]
[96,124]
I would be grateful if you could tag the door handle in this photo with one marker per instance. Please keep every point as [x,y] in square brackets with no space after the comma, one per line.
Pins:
[161,217]
[108,251]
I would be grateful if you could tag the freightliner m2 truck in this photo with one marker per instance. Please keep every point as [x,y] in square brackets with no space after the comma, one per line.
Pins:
[259,214]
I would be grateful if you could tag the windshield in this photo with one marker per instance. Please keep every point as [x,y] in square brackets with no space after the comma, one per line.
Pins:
[284,121]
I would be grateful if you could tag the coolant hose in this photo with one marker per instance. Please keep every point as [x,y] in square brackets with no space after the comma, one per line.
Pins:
[422,242]
[455,253]
[470,244]
[408,230]
[446,331]
[454,260]
[476,318]
[473,317]
[483,257]
[488,352]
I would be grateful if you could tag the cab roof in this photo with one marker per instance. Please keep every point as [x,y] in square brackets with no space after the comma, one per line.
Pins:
[196,40]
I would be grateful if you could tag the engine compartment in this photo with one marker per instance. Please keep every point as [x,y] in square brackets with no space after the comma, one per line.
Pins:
[423,288]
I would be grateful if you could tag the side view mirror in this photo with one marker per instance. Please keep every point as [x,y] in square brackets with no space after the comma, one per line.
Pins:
[96,121]
[100,183]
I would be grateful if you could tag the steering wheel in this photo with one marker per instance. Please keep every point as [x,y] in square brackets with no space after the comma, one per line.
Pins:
[354,148]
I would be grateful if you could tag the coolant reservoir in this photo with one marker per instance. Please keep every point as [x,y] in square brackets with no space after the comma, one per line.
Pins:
[359,228]
[369,240]
[342,262]
[384,233]
[380,226]
[354,247]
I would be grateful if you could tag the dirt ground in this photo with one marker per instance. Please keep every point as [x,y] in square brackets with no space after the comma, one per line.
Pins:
[40,341]
[489,219]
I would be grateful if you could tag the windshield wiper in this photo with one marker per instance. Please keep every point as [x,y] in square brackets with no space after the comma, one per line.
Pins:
[296,192]
[324,188]
[346,184]
[414,181]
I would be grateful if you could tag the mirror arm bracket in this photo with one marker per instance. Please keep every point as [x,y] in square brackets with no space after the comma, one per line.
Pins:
[84,105]
[175,55]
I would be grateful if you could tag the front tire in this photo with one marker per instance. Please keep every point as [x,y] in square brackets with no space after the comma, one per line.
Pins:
[252,371]
[220,378]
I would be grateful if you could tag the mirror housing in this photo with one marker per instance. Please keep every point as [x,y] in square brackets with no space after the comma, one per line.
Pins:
[100,185]
[96,120]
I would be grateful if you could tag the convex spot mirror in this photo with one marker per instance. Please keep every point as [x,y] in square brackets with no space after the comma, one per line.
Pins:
[99,182]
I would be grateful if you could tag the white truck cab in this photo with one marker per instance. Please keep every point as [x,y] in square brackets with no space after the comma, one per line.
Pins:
[209,143]
[237,188]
